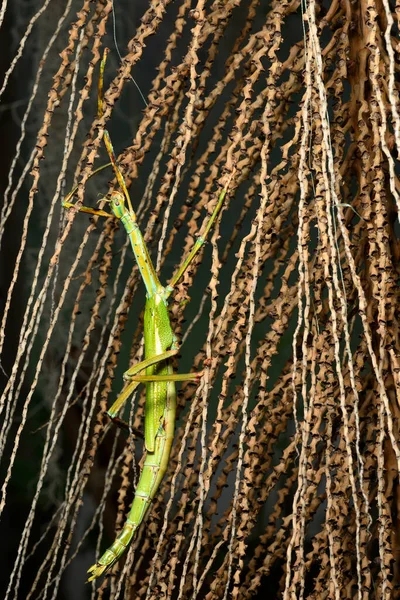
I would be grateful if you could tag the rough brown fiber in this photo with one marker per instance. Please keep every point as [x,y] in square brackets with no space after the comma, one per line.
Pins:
[315,430]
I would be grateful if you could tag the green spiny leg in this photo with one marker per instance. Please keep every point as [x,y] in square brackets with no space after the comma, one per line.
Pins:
[133,374]
[135,377]
[199,242]
[87,209]
[130,388]
[195,376]
[148,362]
[67,200]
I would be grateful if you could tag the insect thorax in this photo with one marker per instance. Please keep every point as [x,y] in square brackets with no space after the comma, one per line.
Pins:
[158,334]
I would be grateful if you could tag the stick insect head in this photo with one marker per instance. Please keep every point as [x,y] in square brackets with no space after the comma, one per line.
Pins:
[117,204]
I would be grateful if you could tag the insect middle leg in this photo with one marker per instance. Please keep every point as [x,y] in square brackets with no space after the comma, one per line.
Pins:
[136,376]
[135,372]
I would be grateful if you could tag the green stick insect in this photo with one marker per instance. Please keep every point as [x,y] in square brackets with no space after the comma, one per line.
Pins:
[156,370]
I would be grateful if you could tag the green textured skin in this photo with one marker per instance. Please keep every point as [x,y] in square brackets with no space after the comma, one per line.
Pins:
[160,396]
[157,339]
[154,469]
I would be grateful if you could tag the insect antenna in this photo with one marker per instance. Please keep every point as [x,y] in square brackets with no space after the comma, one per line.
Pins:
[106,135]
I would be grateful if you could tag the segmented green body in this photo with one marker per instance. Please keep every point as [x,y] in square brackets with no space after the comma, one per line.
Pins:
[160,395]
[158,338]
